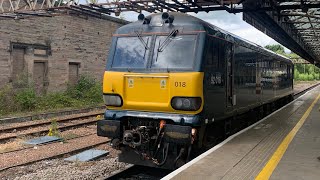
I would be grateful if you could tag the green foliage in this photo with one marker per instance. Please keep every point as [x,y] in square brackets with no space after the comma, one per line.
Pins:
[78,91]
[306,72]
[55,101]
[296,73]
[7,100]
[87,89]
[302,72]
[302,77]
[21,80]
[54,131]
[292,55]
[310,77]
[26,99]
[276,48]
[87,92]
[92,1]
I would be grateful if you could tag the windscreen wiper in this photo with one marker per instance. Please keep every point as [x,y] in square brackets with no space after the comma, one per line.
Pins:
[141,40]
[167,40]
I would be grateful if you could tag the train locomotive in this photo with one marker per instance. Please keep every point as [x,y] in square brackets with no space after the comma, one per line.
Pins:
[171,76]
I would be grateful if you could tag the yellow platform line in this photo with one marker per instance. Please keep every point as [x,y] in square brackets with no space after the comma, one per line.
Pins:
[268,169]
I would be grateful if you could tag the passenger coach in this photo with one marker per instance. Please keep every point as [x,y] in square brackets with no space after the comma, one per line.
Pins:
[171,78]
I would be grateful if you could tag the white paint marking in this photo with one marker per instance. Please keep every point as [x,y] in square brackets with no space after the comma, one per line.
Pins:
[195,160]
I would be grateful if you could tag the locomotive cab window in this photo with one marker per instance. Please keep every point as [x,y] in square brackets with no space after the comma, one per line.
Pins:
[131,52]
[174,52]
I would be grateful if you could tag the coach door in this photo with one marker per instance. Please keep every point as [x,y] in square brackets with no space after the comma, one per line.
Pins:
[231,97]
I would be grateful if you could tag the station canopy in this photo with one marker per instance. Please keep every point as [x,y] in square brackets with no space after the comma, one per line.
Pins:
[293,23]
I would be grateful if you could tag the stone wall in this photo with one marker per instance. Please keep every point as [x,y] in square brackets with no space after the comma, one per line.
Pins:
[55,43]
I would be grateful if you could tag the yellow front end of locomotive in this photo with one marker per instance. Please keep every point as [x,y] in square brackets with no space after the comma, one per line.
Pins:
[153,92]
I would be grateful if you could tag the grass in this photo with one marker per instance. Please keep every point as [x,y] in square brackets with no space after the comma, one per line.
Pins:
[70,136]
[86,93]
[53,130]
[11,146]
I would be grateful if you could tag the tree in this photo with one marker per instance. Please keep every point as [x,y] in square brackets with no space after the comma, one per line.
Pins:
[296,74]
[302,72]
[277,48]
[92,1]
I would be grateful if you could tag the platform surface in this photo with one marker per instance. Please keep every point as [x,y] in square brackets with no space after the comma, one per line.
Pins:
[263,151]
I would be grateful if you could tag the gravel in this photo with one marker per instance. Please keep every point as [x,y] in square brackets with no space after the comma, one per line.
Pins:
[50,150]
[300,86]
[18,144]
[59,169]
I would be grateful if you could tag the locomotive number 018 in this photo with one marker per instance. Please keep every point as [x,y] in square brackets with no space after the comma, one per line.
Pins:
[180,84]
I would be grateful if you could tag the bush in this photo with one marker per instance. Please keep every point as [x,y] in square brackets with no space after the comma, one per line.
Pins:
[296,74]
[87,89]
[306,72]
[78,91]
[7,100]
[87,92]
[310,77]
[26,99]
[303,77]
[55,101]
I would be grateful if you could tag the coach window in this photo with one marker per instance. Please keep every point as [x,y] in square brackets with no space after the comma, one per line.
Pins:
[222,54]
[209,53]
[212,55]
[215,49]
[289,71]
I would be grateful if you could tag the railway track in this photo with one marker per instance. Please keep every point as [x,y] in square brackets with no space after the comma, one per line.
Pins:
[42,123]
[23,156]
[139,172]
[296,95]
[9,133]
[32,146]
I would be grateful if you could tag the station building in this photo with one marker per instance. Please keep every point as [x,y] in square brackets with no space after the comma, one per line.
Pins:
[52,52]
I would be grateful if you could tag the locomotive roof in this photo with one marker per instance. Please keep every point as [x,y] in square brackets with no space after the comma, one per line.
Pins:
[191,23]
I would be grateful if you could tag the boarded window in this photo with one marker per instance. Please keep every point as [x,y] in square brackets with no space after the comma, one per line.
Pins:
[73,73]
[18,65]
[40,76]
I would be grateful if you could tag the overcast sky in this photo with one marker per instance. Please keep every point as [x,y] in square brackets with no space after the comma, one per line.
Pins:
[229,22]
[234,24]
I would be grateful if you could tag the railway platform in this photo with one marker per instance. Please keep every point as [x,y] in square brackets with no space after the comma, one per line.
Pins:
[283,145]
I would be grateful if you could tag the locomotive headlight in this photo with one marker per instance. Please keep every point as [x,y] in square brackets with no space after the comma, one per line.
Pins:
[186,103]
[112,100]
[178,103]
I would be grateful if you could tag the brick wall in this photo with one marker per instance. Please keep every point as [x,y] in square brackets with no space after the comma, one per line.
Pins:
[57,41]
